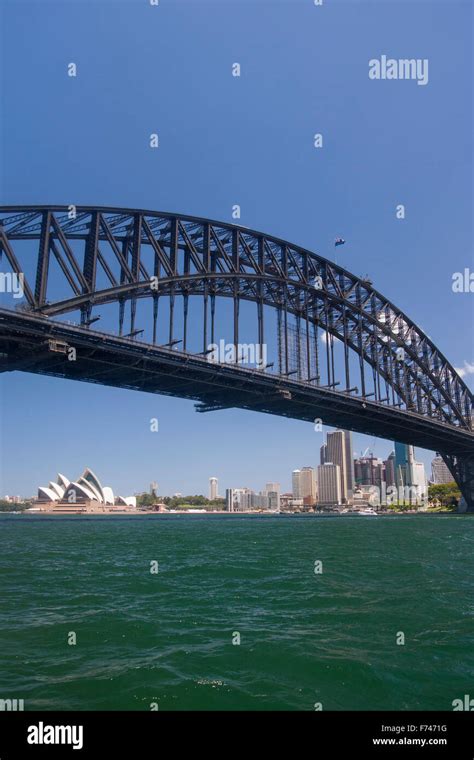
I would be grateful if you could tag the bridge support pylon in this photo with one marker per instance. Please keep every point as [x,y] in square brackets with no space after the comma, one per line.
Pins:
[467,482]
[462,468]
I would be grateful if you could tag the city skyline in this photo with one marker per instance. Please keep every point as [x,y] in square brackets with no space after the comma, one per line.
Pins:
[435,472]
[256,483]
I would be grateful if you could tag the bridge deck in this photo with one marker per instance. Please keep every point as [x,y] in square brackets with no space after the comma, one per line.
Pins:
[127,363]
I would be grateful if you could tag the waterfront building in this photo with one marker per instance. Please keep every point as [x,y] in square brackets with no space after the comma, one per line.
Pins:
[439,471]
[272,491]
[248,500]
[285,500]
[85,493]
[229,499]
[239,499]
[232,498]
[244,499]
[366,496]
[289,503]
[329,484]
[304,484]
[273,500]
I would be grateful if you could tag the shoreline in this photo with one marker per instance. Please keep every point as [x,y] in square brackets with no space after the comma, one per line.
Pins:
[392,513]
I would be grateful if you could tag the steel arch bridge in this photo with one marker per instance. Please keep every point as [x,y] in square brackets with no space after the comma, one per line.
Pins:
[341,352]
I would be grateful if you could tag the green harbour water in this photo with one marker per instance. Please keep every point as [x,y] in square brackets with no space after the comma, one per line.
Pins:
[166,638]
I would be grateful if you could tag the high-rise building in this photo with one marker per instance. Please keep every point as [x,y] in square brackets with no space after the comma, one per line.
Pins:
[322,454]
[243,499]
[238,499]
[390,469]
[336,454]
[419,479]
[213,489]
[329,484]
[296,484]
[230,500]
[273,487]
[272,490]
[304,484]
[308,484]
[349,464]
[439,471]
[273,500]
[369,471]
[404,457]
[408,472]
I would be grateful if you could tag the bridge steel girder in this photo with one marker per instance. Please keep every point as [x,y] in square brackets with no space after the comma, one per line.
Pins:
[146,254]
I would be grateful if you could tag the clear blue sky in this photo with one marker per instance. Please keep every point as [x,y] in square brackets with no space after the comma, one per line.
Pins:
[225,141]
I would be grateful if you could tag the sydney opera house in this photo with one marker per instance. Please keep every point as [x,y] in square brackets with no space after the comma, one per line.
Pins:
[86,494]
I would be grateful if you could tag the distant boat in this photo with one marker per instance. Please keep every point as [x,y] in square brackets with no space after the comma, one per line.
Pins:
[368,512]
